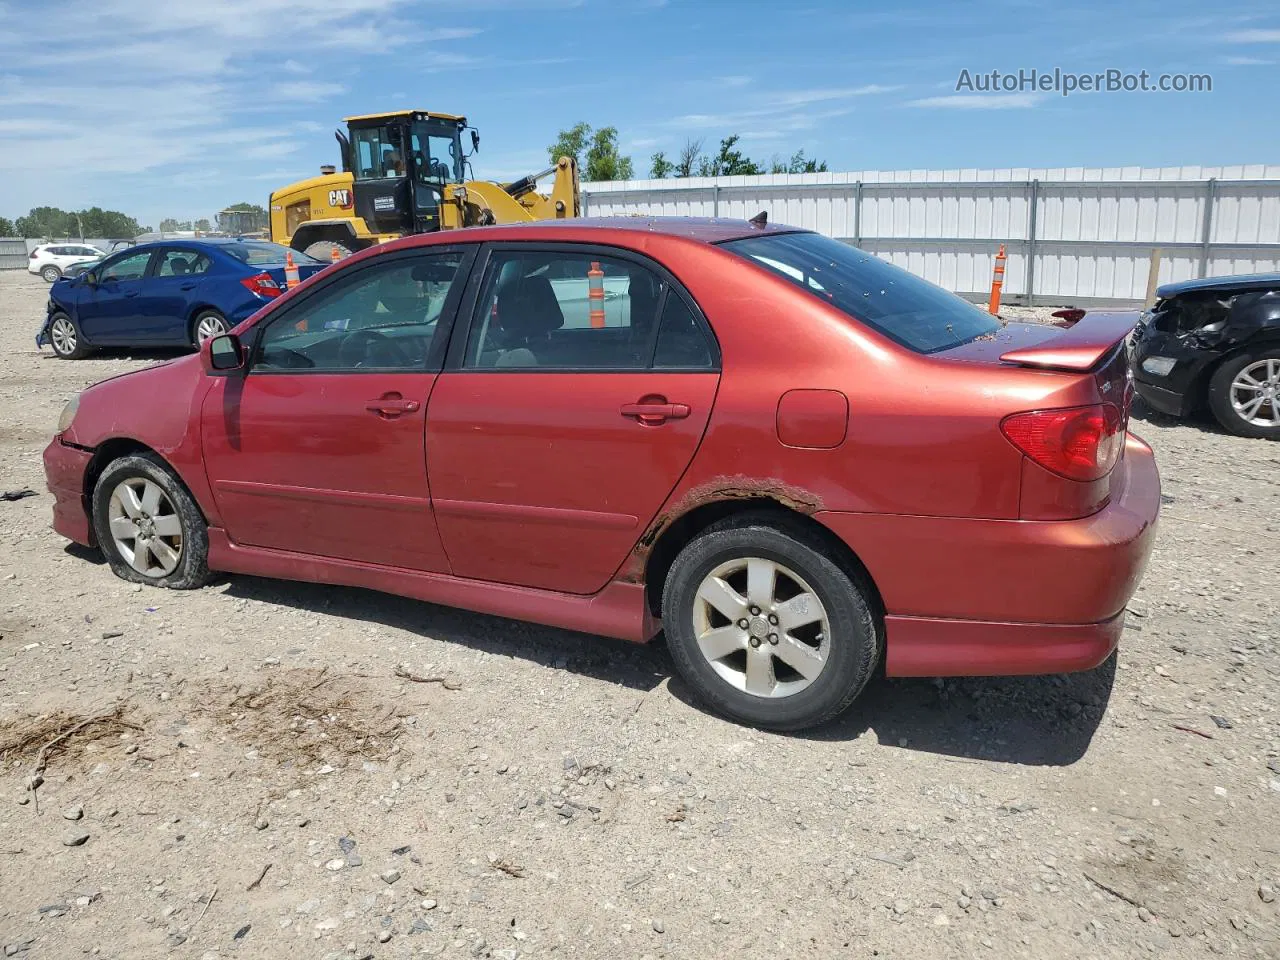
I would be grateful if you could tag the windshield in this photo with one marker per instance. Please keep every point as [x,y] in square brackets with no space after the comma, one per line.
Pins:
[902,306]
[257,254]
[437,151]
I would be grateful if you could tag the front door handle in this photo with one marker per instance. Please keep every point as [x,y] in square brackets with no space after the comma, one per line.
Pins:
[187,286]
[655,411]
[131,293]
[391,405]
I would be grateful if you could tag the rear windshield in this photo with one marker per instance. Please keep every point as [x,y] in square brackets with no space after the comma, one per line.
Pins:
[258,253]
[899,304]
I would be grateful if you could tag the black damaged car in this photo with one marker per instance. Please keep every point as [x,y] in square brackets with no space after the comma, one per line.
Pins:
[1214,342]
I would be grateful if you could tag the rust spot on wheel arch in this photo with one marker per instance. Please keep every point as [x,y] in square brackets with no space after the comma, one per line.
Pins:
[716,490]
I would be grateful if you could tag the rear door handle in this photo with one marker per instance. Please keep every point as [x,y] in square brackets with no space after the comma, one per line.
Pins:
[655,412]
[391,406]
[187,286]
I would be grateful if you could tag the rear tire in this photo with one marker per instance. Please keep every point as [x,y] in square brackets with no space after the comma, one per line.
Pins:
[1238,393]
[207,324]
[148,525]
[323,250]
[794,665]
[65,338]
[51,273]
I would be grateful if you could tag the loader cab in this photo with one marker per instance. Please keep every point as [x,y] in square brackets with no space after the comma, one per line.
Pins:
[400,164]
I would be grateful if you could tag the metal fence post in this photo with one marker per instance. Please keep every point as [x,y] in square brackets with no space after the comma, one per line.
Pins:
[715,199]
[1206,228]
[1033,197]
[857,214]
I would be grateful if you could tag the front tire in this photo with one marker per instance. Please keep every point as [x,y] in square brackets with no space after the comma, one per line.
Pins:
[65,338]
[50,274]
[148,525]
[1244,394]
[766,627]
[324,250]
[206,325]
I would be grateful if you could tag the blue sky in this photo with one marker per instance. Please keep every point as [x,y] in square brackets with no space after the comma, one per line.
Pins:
[159,107]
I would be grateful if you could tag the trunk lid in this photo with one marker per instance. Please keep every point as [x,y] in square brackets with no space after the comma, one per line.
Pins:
[276,271]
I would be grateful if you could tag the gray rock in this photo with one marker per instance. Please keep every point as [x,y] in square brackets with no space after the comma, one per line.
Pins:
[1144,914]
[1266,894]
[346,844]
[54,909]
[260,824]
[900,907]
[566,811]
[658,926]
[390,876]
[75,838]
[384,936]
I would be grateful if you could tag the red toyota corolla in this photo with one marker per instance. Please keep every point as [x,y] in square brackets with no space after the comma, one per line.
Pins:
[794,458]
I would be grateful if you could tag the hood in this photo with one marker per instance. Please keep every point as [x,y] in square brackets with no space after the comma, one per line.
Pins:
[1248,281]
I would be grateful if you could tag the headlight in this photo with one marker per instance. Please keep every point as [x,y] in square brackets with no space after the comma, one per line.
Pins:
[1159,366]
[68,413]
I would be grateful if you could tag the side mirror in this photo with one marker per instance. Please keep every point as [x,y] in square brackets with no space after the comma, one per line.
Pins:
[222,355]
[475,141]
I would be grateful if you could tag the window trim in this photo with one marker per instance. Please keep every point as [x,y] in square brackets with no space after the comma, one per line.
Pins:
[446,323]
[146,271]
[468,311]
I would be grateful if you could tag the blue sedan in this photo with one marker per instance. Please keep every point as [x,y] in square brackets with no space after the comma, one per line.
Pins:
[169,293]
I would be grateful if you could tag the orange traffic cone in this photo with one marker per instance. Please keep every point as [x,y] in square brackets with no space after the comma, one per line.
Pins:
[334,255]
[290,271]
[595,294]
[997,282]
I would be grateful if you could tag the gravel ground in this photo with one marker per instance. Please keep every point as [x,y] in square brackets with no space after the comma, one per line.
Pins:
[257,781]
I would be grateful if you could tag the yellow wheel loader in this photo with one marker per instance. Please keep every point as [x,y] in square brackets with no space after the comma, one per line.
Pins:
[405,173]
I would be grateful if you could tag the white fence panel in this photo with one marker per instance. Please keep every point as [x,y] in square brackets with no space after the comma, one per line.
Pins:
[1073,235]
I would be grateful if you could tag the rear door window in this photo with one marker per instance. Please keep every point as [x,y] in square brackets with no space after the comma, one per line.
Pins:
[905,308]
[564,310]
[181,263]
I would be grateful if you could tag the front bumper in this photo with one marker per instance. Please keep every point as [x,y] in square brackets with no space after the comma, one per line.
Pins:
[1175,403]
[994,597]
[64,469]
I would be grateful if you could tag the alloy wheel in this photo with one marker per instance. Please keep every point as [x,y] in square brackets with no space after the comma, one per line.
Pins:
[761,627]
[1255,393]
[62,333]
[209,326]
[145,527]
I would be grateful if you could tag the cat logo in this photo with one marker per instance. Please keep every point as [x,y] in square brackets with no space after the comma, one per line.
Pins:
[340,198]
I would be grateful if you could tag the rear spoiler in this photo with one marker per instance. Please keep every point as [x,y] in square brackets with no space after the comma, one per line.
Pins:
[1079,347]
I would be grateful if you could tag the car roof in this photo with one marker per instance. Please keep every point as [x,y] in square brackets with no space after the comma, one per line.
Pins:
[598,229]
[188,242]
[1247,281]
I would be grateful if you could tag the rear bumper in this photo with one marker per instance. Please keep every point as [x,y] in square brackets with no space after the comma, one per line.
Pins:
[989,597]
[64,470]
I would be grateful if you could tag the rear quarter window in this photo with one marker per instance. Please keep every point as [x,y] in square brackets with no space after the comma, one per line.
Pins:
[905,308]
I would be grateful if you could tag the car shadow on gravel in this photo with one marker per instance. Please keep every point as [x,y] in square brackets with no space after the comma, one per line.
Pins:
[629,665]
[1035,721]
[1039,721]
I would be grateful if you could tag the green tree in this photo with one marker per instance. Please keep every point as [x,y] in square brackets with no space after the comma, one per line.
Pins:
[571,143]
[47,222]
[799,164]
[660,167]
[729,162]
[170,225]
[6,227]
[247,207]
[97,222]
[203,226]
[690,154]
[603,160]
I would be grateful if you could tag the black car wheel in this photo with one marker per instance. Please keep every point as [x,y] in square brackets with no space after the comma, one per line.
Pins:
[148,525]
[766,627]
[1244,394]
[65,339]
[51,273]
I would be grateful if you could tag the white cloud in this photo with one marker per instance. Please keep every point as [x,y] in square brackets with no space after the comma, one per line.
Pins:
[1253,36]
[1249,62]
[643,143]
[733,81]
[802,97]
[993,101]
[143,105]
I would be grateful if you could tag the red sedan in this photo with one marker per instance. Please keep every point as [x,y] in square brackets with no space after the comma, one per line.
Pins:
[793,457]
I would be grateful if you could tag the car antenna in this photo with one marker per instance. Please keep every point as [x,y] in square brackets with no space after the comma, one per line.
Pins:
[761,219]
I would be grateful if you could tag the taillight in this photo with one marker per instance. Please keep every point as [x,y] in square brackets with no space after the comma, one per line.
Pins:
[34,254]
[263,285]
[1079,443]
